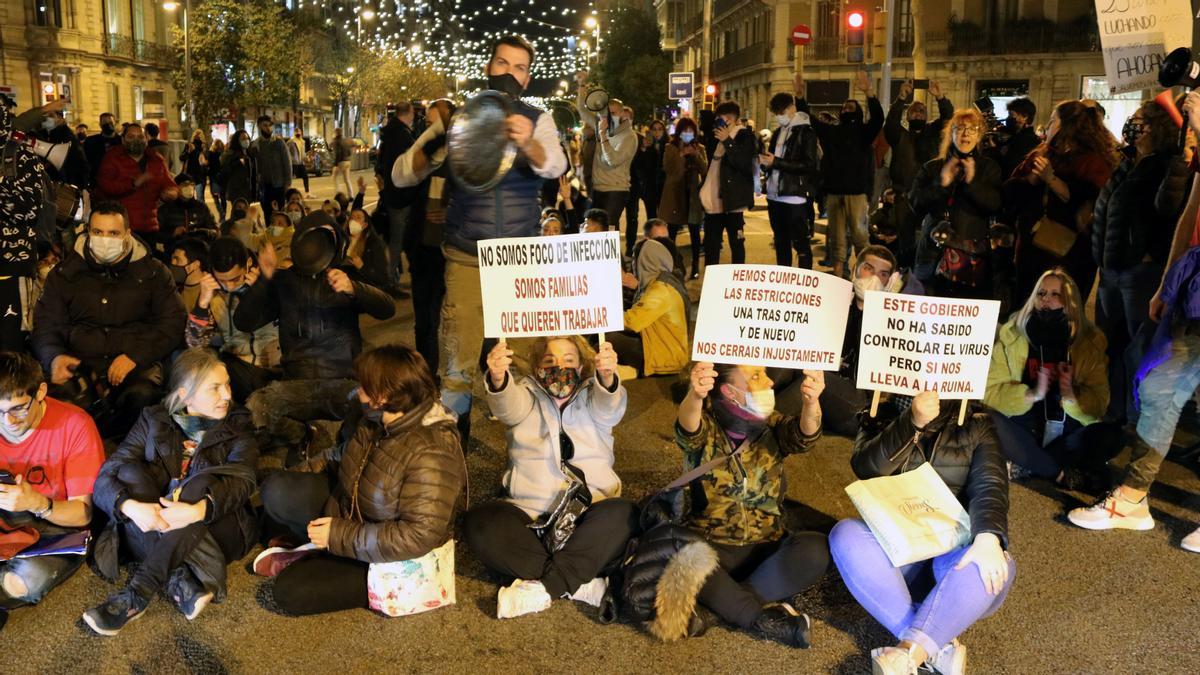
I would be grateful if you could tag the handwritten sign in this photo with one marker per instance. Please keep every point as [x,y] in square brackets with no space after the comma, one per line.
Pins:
[565,285]
[1136,35]
[771,316]
[913,343]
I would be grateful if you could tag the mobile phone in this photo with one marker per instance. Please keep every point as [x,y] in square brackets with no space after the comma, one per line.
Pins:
[719,123]
[7,478]
[921,84]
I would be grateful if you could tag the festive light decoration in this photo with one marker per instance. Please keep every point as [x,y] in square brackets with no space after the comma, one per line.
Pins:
[453,36]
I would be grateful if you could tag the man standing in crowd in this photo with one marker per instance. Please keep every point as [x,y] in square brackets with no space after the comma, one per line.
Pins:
[20,208]
[1022,137]
[396,138]
[793,168]
[296,154]
[847,148]
[270,153]
[74,169]
[108,317]
[97,145]
[616,146]
[911,148]
[341,160]
[508,210]
[136,178]
[156,146]
[728,191]
[51,453]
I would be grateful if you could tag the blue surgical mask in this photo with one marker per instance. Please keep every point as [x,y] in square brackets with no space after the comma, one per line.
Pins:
[687,137]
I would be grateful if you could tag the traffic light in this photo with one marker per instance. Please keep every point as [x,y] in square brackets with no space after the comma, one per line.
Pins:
[855,23]
[710,96]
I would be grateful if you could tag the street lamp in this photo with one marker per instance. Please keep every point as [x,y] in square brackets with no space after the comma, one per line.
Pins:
[171,6]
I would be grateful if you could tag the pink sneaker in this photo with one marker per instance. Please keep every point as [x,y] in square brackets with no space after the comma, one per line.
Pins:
[274,560]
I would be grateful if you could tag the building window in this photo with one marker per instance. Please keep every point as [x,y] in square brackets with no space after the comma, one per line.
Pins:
[137,20]
[829,18]
[139,109]
[1117,107]
[114,100]
[904,28]
[48,12]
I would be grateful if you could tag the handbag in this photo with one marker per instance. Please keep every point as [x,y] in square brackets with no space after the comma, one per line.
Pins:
[1052,236]
[407,587]
[913,515]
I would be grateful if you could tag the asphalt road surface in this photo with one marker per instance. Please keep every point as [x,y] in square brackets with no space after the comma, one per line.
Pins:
[1083,602]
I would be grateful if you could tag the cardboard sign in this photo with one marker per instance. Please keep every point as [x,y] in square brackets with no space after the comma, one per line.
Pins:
[764,315]
[567,285]
[1136,35]
[913,343]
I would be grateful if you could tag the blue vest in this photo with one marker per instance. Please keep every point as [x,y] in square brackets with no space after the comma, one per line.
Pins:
[508,210]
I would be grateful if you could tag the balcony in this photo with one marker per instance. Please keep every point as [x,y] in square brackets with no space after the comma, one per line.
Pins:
[1031,36]
[747,57]
[142,51]
[720,7]
[824,48]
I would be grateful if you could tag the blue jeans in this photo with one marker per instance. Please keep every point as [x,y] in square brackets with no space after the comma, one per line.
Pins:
[1163,394]
[38,575]
[956,600]
[398,223]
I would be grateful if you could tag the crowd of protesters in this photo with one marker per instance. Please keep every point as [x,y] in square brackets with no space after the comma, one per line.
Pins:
[170,359]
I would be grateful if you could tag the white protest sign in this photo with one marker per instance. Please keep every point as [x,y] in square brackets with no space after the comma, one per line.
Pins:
[1136,35]
[764,315]
[913,343]
[565,285]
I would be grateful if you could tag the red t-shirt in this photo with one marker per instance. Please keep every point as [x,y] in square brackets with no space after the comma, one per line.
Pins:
[62,457]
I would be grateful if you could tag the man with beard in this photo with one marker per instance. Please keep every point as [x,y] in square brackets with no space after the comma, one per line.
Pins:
[911,148]
[847,146]
[97,145]
[508,210]
[136,178]
[274,166]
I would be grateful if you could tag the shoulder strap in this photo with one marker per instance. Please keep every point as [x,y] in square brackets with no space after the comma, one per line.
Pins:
[708,466]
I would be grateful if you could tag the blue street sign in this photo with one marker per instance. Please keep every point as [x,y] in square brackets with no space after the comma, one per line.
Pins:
[681,85]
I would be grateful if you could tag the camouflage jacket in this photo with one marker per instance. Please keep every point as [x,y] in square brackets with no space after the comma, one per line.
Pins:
[739,502]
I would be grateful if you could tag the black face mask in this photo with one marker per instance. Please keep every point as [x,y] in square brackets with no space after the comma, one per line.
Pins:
[1132,131]
[1011,124]
[916,126]
[1048,328]
[179,273]
[851,117]
[107,129]
[238,214]
[505,84]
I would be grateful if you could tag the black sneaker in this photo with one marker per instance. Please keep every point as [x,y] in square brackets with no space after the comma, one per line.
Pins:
[784,625]
[186,593]
[109,617]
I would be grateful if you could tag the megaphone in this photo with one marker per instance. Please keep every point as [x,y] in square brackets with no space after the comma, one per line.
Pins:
[55,153]
[1178,69]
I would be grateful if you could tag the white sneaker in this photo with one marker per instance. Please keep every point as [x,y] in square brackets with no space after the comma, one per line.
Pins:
[1191,542]
[1114,513]
[592,592]
[522,597]
[892,661]
[952,660]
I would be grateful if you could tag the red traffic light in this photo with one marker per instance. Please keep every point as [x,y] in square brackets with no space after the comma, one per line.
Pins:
[710,89]
[855,19]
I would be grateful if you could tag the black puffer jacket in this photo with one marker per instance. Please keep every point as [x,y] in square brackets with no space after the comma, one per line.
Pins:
[1135,213]
[970,205]
[97,312]
[318,327]
[397,486]
[737,171]
[967,458]
[848,150]
[191,215]
[799,166]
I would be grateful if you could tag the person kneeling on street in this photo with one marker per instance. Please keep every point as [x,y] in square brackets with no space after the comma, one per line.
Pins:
[928,604]
[562,522]
[386,492]
[108,316]
[738,505]
[177,492]
[1048,389]
[50,453]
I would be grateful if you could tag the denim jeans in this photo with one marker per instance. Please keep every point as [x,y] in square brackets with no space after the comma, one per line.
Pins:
[1163,394]
[1087,448]
[398,223]
[1122,306]
[39,575]
[956,600]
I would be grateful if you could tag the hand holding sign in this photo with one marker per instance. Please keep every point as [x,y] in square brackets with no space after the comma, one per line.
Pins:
[925,408]
[704,377]
[498,362]
[606,364]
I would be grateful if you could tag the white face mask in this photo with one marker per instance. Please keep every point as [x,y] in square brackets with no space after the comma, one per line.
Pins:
[783,120]
[864,284]
[107,250]
[761,402]
[356,228]
[49,124]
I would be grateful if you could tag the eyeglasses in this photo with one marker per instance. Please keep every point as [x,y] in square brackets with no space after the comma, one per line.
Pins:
[974,131]
[19,412]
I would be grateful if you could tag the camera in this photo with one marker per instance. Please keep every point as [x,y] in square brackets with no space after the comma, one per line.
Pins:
[995,133]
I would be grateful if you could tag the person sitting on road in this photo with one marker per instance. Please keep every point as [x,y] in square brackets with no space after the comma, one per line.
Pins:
[552,225]
[279,235]
[50,452]
[108,316]
[387,492]
[177,492]
[317,302]
[738,505]
[181,213]
[927,621]
[655,339]
[1048,388]
[189,255]
[251,358]
[560,454]
[595,220]
[367,251]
